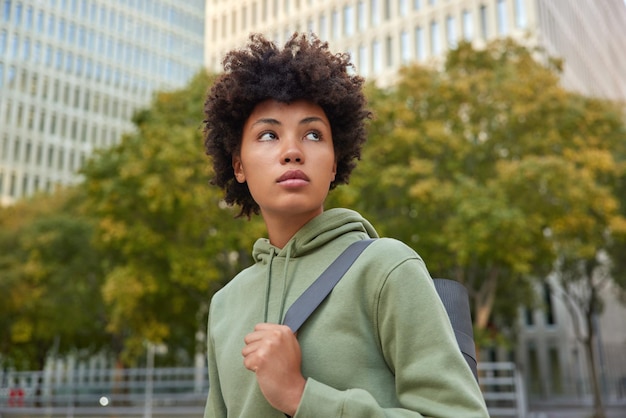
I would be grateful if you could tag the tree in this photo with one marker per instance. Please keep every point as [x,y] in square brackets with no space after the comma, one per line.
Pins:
[50,281]
[489,168]
[167,239]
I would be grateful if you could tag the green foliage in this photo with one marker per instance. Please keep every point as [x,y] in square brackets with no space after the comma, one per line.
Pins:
[488,168]
[50,281]
[166,239]
[492,171]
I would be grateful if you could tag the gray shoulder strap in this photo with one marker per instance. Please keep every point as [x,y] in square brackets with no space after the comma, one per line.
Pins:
[456,301]
[452,293]
[306,304]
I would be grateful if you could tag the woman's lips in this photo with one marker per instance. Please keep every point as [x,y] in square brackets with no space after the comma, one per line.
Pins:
[293,178]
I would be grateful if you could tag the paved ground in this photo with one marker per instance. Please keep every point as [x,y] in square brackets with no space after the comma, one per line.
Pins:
[615,409]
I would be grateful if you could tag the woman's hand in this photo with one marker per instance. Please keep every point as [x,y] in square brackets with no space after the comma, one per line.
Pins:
[273,353]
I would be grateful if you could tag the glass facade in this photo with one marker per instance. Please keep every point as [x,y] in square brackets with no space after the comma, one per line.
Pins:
[389,32]
[73,71]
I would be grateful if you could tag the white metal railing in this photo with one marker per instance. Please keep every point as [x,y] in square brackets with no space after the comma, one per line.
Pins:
[503,389]
[129,392]
[178,392]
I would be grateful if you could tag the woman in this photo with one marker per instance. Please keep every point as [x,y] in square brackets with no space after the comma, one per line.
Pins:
[283,127]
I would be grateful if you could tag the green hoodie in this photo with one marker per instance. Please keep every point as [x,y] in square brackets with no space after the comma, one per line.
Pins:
[380,345]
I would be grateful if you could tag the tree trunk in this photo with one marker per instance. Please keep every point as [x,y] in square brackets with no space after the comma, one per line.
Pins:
[598,407]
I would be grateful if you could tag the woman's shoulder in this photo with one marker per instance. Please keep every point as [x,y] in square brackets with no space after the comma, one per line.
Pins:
[393,250]
[242,284]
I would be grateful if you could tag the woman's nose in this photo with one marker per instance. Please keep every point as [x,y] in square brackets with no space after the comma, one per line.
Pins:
[292,153]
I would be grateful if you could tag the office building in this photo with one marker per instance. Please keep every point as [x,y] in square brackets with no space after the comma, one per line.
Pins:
[72,72]
[382,35]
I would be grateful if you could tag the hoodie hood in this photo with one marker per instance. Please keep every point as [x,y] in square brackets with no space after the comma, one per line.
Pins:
[280,264]
[329,225]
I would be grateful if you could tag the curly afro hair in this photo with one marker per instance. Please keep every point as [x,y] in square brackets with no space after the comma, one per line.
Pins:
[304,69]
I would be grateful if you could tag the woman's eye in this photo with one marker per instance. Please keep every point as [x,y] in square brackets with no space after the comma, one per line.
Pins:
[313,136]
[267,136]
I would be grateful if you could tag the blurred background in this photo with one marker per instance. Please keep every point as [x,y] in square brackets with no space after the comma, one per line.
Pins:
[497,151]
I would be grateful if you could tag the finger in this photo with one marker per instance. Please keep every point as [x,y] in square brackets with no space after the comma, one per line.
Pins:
[265,326]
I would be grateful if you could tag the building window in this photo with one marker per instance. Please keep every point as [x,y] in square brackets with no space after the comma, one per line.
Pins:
[42,121]
[24,190]
[62,30]
[69,62]
[20,115]
[417,4]
[533,369]
[18,14]
[5,147]
[335,24]
[387,9]
[520,14]
[15,45]
[529,317]
[549,309]
[468,27]
[420,45]
[484,30]
[389,50]
[405,47]
[451,32]
[322,30]
[403,7]
[363,67]
[39,22]
[3,42]
[12,185]
[37,52]
[435,43]
[503,26]
[50,156]
[348,20]
[556,372]
[376,57]
[6,11]
[374,16]
[28,22]
[51,25]
[16,150]
[27,152]
[39,156]
[362,22]
[61,159]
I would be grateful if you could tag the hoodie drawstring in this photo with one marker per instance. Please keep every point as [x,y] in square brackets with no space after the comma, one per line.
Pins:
[268,288]
[284,289]
[269,283]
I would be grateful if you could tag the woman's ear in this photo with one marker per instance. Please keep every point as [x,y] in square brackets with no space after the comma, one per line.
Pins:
[238,169]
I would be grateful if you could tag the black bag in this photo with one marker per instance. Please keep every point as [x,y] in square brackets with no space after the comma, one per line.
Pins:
[452,293]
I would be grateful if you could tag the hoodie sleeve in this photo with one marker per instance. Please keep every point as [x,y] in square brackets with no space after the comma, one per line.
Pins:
[417,341]
[215,406]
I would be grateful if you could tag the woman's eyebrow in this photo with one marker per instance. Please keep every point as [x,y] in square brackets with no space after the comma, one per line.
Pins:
[268,121]
[312,119]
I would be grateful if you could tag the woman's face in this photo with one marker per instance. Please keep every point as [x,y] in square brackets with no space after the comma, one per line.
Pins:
[287,158]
